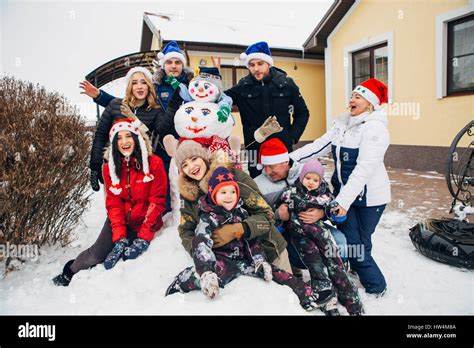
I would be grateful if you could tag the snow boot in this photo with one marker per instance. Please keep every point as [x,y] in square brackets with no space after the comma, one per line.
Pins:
[309,303]
[330,309]
[379,294]
[173,288]
[266,269]
[325,296]
[65,277]
[210,284]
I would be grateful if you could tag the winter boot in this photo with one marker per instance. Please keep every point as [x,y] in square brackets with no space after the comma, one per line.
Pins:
[173,288]
[210,284]
[330,309]
[266,268]
[309,303]
[325,296]
[379,294]
[64,278]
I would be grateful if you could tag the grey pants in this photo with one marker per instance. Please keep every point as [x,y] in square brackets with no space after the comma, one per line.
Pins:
[99,250]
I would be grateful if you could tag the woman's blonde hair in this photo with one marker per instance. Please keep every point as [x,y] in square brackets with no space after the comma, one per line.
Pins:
[130,100]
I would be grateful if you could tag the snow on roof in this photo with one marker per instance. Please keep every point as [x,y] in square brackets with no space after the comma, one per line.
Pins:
[289,34]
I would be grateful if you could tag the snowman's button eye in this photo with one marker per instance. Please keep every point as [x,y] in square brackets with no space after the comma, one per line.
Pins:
[189,109]
[207,85]
[196,85]
[205,112]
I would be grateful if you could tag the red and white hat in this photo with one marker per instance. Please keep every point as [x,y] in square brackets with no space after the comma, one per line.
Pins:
[374,91]
[272,151]
[133,126]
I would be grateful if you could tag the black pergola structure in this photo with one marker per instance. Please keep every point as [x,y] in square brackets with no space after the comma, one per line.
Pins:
[119,67]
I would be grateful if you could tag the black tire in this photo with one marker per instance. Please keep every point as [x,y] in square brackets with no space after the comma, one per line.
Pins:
[448,241]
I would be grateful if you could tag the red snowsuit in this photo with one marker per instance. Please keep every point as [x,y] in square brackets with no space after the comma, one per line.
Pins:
[140,204]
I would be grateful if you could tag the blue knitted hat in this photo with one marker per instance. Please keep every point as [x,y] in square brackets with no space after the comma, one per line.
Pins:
[171,50]
[259,50]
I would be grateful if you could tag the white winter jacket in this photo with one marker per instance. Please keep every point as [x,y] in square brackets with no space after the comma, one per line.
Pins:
[358,146]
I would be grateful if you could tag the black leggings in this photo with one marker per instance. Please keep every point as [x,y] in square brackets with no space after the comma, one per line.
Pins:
[99,250]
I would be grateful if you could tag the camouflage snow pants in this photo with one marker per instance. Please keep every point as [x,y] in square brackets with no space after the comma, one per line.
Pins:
[319,253]
[230,265]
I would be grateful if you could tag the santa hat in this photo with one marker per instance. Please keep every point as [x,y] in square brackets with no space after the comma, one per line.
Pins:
[133,126]
[140,69]
[374,91]
[272,151]
[219,178]
[312,166]
[171,50]
[259,50]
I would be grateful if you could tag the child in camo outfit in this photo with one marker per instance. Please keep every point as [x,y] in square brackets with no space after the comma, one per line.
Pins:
[214,268]
[315,244]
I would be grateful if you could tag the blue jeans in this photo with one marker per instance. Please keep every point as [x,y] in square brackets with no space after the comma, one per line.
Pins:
[295,258]
[358,228]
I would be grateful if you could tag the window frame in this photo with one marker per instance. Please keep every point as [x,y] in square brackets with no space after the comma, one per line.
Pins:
[371,50]
[450,54]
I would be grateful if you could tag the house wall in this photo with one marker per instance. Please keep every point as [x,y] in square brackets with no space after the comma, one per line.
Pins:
[427,124]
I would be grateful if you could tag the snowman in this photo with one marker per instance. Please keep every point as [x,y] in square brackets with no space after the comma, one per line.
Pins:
[201,118]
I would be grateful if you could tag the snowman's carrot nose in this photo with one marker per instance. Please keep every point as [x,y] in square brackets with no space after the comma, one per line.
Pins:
[194,119]
[201,89]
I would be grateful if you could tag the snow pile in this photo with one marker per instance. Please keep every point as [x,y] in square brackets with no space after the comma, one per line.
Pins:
[417,285]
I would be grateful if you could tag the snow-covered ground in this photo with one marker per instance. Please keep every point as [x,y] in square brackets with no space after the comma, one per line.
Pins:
[417,285]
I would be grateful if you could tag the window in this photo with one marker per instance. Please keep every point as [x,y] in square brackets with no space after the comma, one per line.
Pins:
[460,60]
[370,63]
[231,75]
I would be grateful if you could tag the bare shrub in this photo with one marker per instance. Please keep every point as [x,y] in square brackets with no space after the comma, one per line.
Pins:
[44,147]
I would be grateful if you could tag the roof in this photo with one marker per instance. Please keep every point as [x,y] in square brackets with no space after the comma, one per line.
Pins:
[232,36]
[317,41]
[119,67]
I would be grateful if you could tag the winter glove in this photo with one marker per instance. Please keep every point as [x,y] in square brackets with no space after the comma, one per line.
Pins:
[114,256]
[209,284]
[138,247]
[223,113]
[227,233]
[265,268]
[171,80]
[126,111]
[96,176]
[269,127]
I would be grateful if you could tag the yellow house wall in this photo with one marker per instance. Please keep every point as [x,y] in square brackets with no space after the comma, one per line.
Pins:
[310,79]
[414,69]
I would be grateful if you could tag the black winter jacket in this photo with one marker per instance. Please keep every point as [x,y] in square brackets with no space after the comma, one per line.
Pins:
[274,96]
[153,119]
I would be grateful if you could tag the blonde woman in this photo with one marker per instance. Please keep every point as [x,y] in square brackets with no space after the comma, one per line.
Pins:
[140,99]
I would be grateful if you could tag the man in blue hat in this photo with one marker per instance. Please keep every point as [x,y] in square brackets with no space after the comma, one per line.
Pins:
[267,91]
